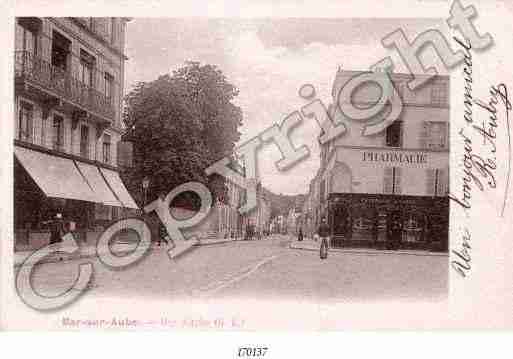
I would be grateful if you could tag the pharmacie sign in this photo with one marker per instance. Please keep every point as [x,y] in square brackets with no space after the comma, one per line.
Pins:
[388,157]
[395,158]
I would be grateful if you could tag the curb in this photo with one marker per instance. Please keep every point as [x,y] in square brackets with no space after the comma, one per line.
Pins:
[67,257]
[223,241]
[200,244]
[373,251]
[72,257]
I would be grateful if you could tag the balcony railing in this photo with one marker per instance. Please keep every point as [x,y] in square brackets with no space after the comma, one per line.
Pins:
[62,83]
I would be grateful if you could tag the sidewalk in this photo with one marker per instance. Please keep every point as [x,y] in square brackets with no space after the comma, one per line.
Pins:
[90,251]
[312,245]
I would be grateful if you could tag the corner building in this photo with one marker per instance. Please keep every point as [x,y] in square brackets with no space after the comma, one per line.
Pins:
[69,75]
[401,172]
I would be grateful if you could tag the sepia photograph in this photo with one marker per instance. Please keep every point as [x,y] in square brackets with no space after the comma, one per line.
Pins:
[223,169]
[100,135]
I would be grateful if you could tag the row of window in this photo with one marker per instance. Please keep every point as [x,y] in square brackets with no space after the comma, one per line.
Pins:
[27,40]
[87,72]
[103,26]
[437,181]
[438,95]
[434,135]
[26,133]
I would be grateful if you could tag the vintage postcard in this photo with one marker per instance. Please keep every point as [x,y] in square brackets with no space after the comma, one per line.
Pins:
[247,167]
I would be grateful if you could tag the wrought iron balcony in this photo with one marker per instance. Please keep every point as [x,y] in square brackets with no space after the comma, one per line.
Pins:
[61,83]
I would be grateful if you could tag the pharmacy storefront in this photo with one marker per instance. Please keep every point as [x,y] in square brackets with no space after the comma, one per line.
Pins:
[387,197]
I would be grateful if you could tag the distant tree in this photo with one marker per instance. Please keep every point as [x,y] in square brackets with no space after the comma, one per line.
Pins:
[281,204]
[180,124]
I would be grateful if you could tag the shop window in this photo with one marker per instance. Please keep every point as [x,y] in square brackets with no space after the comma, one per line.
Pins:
[439,95]
[84,141]
[26,122]
[394,134]
[106,148]
[58,133]
[392,180]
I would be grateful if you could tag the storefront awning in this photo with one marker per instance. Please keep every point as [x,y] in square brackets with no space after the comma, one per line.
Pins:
[103,194]
[119,188]
[56,176]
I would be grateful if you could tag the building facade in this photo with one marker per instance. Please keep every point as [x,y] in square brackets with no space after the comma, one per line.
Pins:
[69,75]
[278,225]
[294,221]
[258,220]
[400,174]
[225,220]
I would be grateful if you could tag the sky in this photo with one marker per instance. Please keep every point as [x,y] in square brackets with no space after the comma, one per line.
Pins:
[268,60]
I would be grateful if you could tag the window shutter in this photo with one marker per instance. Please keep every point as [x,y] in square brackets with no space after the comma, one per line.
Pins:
[387,180]
[430,182]
[443,182]
[424,134]
[446,135]
[19,37]
[397,180]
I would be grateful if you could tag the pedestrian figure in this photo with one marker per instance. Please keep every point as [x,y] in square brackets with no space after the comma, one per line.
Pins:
[163,236]
[56,229]
[428,233]
[324,232]
[394,231]
[300,235]
[375,228]
[389,238]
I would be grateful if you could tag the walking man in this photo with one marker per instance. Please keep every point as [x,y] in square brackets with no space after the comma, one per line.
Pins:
[324,232]
[163,236]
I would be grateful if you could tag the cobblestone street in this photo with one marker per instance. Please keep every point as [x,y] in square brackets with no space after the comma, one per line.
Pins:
[265,269]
